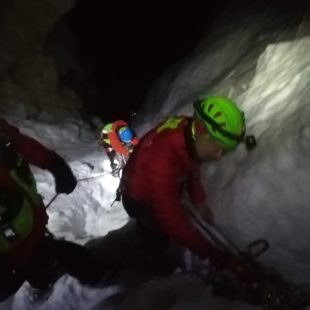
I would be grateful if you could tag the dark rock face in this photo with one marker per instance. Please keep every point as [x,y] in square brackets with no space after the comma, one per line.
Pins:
[28,78]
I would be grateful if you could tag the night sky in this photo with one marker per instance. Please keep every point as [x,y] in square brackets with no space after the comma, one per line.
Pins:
[130,45]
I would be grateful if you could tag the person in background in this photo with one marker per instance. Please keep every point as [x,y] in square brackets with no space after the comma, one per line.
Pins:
[28,252]
[165,162]
[118,141]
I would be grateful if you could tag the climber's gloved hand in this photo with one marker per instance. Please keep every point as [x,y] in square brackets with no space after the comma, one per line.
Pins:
[115,169]
[114,166]
[64,178]
[130,148]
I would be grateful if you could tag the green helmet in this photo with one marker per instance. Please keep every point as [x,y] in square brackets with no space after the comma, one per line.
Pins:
[105,129]
[223,119]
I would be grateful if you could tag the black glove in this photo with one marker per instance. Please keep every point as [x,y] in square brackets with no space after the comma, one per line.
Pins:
[64,178]
[114,166]
[115,173]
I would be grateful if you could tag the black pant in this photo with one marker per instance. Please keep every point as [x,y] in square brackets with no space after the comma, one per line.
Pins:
[154,238]
[156,243]
[52,259]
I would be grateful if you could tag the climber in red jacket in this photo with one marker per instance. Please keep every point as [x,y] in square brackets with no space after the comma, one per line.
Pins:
[118,141]
[166,160]
[27,252]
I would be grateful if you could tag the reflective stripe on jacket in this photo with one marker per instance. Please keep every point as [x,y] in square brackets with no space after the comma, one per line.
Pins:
[14,230]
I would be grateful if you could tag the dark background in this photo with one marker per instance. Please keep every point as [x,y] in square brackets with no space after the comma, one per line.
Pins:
[130,45]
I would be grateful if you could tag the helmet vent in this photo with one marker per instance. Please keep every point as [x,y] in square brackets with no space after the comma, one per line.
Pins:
[210,107]
[217,114]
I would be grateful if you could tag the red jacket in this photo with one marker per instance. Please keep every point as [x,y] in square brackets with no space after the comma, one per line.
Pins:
[156,172]
[36,154]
